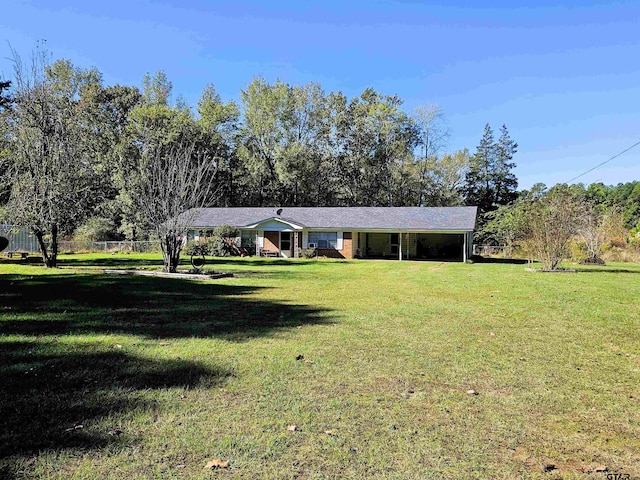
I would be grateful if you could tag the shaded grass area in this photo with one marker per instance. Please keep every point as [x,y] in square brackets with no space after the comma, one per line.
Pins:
[370,360]
[53,393]
[144,306]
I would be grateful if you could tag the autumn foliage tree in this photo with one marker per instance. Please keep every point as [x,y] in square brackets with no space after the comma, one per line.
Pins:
[550,220]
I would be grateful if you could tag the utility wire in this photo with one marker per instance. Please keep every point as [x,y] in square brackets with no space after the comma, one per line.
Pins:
[606,161]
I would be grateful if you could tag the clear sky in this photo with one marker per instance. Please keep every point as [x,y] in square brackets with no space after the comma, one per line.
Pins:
[563,76]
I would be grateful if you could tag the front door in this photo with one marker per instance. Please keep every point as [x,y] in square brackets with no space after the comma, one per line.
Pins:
[285,244]
[394,242]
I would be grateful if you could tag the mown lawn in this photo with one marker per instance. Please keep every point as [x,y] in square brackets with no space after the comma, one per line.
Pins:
[134,377]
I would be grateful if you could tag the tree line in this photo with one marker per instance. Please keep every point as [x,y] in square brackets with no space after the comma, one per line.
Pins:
[112,162]
[567,221]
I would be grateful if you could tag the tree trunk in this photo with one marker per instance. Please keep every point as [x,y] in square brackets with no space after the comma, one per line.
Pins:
[49,258]
[171,248]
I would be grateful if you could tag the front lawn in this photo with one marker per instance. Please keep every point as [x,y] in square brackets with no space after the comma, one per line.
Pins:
[318,369]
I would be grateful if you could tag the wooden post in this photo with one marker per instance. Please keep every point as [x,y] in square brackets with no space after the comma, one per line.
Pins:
[296,253]
[400,246]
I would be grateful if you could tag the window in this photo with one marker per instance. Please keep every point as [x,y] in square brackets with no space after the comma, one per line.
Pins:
[246,238]
[285,241]
[324,239]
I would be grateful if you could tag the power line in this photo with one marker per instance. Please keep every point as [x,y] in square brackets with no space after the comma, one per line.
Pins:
[606,161]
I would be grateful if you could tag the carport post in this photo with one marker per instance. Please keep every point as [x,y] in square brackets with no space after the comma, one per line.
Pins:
[464,248]
[400,246]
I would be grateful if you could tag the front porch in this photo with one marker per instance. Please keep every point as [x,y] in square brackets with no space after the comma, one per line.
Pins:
[442,246]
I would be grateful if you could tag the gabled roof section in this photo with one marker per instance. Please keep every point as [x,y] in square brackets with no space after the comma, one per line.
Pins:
[292,223]
[345,218]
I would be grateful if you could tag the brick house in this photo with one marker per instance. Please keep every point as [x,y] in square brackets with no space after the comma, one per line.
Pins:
[346,232]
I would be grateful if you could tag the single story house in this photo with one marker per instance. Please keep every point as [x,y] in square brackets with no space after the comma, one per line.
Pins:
[346,232]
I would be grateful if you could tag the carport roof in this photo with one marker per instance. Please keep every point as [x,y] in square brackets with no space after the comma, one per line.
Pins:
[344,218]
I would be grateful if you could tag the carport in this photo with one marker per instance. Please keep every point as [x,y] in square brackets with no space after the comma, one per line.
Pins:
[408,245]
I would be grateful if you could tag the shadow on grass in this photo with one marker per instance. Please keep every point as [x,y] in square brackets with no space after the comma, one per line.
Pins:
[147,306]
[117,260]
[124,261]
[605,270]
[512,261]
[49,387]
[52,399]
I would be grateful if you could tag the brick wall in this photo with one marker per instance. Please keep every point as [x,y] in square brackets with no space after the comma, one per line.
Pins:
[272,241]
[347,248]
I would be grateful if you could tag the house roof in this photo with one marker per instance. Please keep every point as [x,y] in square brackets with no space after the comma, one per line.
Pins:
[339,218]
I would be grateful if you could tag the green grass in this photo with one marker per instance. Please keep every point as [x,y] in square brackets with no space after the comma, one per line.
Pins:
[188,371]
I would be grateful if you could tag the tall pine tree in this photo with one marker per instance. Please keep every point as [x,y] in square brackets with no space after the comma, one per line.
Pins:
[478,190]
[505,181]
[490,181]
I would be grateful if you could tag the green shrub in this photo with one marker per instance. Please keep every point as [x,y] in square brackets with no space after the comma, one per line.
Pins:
[222,242]
[98,229]
[578,251]
[307,252]
[195,247]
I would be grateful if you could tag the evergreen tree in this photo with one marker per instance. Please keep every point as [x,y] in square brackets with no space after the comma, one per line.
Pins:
[490,181]
[478,180]
[505,181]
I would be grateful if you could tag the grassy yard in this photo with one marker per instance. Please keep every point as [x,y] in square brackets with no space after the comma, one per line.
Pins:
[107,376]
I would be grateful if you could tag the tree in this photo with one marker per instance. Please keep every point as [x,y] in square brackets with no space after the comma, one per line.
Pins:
[431,123]
[505,183]
[371,141]
[444,179]
[166,172]
[596,227]
[489,179]
[5,98]
[170,186]
[50,161]
[506,225]
[550,220]
[262,135]
[157,88]
[5,102]
[478,190]
[220,121]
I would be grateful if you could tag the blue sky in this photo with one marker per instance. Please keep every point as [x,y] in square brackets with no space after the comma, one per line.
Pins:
[563,76]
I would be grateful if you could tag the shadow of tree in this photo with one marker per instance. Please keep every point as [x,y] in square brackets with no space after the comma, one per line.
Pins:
[512,261]
[124,261]
[49,387]
[117,260]
[147,306]
[52,399]
[600,269]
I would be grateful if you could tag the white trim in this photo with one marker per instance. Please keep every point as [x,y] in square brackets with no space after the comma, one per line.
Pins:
[285,253]
[275,219]
[381,230]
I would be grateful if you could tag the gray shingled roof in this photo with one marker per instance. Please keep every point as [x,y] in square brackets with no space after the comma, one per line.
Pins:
[343,218]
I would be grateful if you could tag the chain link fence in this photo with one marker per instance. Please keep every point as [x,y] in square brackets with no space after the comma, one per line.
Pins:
[79,246]
[489,250]
[21,240]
